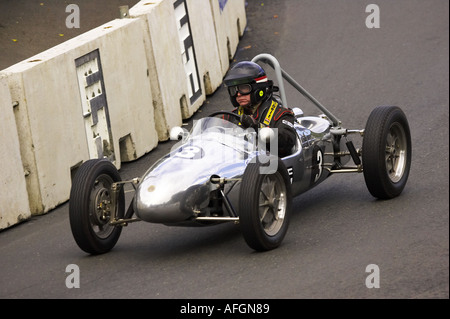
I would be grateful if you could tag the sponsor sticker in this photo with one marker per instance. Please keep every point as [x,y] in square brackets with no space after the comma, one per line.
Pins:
[270,113]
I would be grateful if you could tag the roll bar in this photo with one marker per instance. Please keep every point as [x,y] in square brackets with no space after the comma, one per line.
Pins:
[280,74]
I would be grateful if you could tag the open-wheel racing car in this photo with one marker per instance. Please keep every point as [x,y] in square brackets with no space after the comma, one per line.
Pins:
[220,172]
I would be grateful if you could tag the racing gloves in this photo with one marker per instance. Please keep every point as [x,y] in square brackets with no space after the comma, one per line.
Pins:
[248,121]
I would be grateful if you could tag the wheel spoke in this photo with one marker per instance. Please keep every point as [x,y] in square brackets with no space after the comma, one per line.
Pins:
[389,139]
[264,213]
[271,204]
[272,186]
[267,188]
[389,163]
[395,153]
[391,152]
[266,198]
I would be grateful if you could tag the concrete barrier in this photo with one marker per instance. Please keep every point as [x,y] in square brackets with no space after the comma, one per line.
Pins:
[168,81]
[14,206]
[204,36]
[183,54]
[113,92]
[191,55]
[87,98]
[230,21]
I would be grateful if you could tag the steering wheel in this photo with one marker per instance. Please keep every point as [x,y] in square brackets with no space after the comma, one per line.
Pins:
[231,114]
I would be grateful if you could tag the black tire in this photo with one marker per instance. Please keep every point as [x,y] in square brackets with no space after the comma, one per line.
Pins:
[265,201]
[386,152]
[89,206]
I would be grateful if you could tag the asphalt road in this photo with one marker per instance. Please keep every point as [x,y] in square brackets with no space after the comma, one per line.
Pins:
[28,27]
[338,228]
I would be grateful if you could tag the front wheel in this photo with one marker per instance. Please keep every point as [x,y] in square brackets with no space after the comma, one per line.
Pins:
[90,206]
[265,201]
[386,152]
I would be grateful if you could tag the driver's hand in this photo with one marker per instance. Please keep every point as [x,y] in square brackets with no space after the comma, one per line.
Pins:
[248,121]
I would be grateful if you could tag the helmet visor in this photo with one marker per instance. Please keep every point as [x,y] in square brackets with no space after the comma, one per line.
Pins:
[244,89]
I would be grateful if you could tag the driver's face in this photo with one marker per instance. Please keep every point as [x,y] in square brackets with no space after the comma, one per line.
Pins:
[243,100]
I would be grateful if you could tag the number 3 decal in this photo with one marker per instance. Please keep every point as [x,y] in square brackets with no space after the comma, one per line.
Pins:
[317,162]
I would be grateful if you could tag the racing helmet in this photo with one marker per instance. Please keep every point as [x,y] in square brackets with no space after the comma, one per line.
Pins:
[248,78]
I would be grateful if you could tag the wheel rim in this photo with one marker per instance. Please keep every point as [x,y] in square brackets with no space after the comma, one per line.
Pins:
[100,207]
[272,204]
[396,152]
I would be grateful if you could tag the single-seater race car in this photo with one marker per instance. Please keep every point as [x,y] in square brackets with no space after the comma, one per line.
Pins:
[220,172]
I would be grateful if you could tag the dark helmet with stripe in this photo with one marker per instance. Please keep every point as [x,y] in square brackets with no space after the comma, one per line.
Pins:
[250,74]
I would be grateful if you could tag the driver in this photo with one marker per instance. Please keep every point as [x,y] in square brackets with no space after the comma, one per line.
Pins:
[252,94]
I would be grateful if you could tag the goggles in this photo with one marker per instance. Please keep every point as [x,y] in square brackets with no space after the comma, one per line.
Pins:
[244,89]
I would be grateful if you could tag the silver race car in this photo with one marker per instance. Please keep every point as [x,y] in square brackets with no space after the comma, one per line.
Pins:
[220,172]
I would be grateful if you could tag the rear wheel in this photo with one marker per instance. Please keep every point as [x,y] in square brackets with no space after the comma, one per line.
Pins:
[265,205]
[90,206]
[386,152]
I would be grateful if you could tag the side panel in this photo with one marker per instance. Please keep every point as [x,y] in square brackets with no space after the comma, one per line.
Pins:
[308,166]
